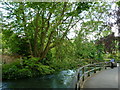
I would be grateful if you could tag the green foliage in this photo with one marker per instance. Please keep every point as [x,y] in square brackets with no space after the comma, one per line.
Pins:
[25,73]
[118,3]
[10,70]
[64,56]
[15,44]
[100,52]
[35,27]
[43,69]
[83,6]
[88,50]
[65,64]
[115,56]
[48,59]
[25,68]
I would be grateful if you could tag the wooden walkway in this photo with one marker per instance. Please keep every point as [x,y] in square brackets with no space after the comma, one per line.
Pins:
[104,79]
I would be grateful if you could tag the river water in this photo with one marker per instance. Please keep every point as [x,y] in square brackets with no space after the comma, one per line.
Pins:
[62,79]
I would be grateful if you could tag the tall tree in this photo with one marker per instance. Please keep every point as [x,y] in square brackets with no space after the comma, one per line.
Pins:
[42,24]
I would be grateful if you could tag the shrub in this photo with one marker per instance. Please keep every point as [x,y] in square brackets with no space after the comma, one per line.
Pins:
[44,69]
[25,69]
[23,73]
[9,72]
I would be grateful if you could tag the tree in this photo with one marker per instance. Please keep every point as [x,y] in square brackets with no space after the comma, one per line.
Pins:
[118,23]
[94,24]
[43,25]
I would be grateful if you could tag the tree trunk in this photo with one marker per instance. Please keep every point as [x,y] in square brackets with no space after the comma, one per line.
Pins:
[36,35]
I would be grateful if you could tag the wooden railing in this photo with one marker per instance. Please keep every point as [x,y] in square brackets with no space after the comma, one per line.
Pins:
[84,72]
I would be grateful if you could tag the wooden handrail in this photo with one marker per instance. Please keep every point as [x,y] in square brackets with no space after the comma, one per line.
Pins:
[81,72]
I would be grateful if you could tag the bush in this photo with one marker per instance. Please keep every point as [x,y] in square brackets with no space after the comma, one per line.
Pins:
[43,69]
[9,72]
[24,73]
[25,69]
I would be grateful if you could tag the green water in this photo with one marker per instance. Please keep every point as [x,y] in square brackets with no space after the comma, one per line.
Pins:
[62,79]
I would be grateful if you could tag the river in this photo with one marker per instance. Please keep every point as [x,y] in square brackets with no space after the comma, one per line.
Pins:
[62,79]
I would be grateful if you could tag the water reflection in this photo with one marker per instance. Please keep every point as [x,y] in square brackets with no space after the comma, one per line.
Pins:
[59,80]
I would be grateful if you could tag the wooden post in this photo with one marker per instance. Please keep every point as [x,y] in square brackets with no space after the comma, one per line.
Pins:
[83,70]
[78,76]
[94,68]
[105,66]
[88,74]
[76,87]
[100,67]
[79,87]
